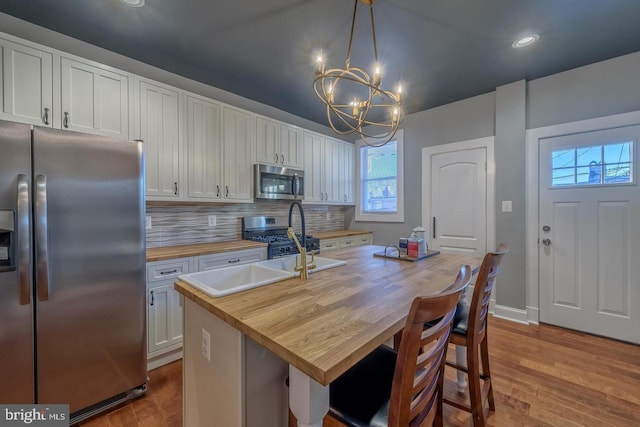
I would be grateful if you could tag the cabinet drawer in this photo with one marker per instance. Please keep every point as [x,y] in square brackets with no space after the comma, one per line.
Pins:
[167,270]
[348,242]
[209,262]
[364,240]
[329,244]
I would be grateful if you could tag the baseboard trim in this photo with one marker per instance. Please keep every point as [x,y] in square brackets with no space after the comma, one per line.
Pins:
[509,313]
[533,315]
[163,359]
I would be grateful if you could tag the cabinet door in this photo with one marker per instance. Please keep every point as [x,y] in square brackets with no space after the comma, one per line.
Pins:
[313,170]
[158,119]
[94,100]
[348,175]
[26,90]
[332,166]
[204,148]
[237,142]
[267,141]
[291,147]
[164,317]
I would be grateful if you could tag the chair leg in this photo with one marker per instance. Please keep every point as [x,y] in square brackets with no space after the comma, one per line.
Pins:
[484,350]
[475,388]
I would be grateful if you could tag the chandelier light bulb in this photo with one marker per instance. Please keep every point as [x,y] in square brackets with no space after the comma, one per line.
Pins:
[378,113]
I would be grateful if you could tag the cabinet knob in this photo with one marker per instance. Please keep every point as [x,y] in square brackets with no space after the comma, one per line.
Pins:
[282,158]
[65,122]
[175,188]
[226,191]
[152,298]
[217,191]
[276,157]
[45,118]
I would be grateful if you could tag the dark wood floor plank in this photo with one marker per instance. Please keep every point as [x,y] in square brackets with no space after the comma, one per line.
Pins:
[543,376]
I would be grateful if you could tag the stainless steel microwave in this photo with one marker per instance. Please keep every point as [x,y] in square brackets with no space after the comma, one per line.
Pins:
[278,183]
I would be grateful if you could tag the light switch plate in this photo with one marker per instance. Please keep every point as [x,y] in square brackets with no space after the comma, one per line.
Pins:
[212,221]
[507,206]
[147,221]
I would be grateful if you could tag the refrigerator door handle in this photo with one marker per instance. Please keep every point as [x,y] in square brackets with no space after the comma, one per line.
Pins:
[42,261]
[23,239]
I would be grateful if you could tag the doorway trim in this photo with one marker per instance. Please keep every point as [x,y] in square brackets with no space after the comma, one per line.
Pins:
[488,144]
[532,174]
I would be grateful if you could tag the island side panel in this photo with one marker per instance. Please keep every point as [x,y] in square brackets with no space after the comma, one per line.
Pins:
[213,390]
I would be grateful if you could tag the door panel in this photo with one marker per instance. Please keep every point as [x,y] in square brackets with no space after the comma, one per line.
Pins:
[589,233]
[16,319]
[91,327]
[458,201]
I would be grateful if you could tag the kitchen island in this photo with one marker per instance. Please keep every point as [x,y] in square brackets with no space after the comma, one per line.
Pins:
[320,327]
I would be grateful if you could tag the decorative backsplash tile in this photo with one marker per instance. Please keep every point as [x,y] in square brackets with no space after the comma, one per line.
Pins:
[184,224]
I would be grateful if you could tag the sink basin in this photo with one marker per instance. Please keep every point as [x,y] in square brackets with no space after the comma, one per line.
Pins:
[287,263]
[229,280]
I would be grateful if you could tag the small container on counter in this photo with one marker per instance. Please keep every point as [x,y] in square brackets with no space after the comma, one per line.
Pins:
[402,246]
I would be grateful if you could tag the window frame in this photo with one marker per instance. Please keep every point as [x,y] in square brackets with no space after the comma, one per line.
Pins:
[398,216]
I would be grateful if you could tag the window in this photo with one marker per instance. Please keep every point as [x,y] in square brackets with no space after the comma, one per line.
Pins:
[593,165]
[380,189]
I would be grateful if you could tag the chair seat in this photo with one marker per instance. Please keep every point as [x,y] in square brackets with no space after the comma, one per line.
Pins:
[460,321]
[360,397]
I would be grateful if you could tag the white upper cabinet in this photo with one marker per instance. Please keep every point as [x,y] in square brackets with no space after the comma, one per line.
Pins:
[313,167]
[158,117]
[94,99]
[328,170]
[278,143]
[204,148]
[237,152]
[347,177]
[26,77]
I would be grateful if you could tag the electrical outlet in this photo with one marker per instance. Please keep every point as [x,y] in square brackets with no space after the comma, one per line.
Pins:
[507,206]
[147,222]
[212,221]
[206,344]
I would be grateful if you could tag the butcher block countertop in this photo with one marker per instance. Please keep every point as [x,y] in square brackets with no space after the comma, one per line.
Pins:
[170,252]
[327,324]
[339,233]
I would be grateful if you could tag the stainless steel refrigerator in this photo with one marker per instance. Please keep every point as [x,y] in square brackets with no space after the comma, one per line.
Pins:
[72,269]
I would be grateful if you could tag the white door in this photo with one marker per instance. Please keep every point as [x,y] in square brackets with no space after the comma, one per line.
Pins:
[291,146]
[267,141]
[458,202]
[164,317]
[589,233]
[313,167]
[332,165]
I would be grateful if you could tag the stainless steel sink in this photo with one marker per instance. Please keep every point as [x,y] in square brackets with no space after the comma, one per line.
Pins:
[287,263]
[229,280]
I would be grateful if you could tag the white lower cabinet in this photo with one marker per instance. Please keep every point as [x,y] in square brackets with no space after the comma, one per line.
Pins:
[164,303]
[345,242]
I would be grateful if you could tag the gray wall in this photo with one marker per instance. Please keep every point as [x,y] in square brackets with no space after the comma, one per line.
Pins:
[600,89]
[459,121]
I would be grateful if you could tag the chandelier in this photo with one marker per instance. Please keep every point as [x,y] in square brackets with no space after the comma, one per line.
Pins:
[354,100]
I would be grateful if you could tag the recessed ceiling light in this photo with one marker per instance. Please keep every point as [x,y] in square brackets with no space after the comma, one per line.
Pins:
[133,3]
[526,41]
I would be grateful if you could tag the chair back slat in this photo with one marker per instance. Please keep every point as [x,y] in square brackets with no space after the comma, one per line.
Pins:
[418,375]
[479,308]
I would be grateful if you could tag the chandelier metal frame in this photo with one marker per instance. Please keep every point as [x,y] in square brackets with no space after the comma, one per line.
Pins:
[349,118]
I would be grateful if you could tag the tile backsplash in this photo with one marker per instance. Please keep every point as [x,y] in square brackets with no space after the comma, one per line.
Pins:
[184,224]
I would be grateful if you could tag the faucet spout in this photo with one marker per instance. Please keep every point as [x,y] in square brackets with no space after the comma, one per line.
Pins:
[302,248]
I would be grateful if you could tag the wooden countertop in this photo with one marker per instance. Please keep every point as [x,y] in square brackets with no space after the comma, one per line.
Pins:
[339,233]
[327,324]
[169,252]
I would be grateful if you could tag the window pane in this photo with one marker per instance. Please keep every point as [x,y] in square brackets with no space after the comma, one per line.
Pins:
[379,178]
[380,196]
[598,164]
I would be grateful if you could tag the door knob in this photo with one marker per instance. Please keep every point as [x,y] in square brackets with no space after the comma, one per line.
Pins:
[546,228]
[546,242]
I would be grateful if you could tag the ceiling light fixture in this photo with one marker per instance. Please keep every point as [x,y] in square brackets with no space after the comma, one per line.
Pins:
[355,100]
[525,41]
[133,3]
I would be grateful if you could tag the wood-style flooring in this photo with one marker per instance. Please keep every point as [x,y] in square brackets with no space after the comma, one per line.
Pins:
[543,376]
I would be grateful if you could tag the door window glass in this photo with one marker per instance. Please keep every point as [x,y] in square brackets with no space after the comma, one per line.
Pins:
[593,165]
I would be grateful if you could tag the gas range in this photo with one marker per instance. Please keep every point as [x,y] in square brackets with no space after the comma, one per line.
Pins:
[273,230]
